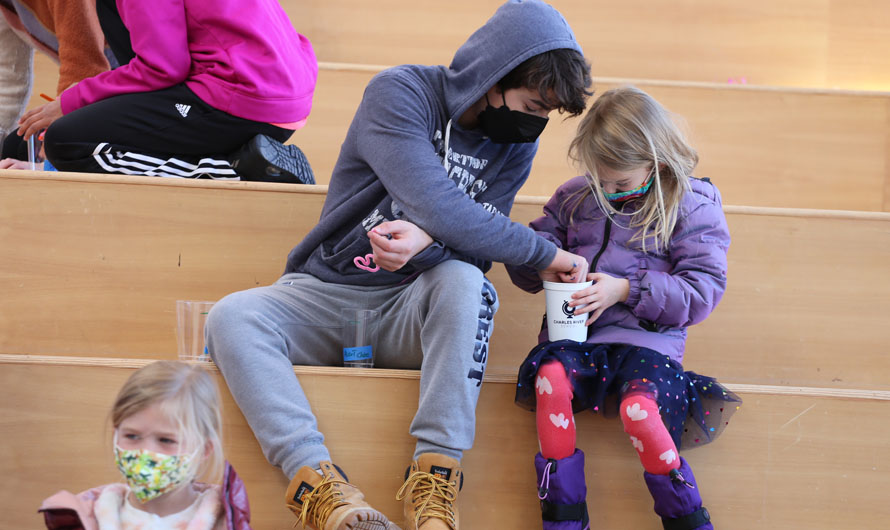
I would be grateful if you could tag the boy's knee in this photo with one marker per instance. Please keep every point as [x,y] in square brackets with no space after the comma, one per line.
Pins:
[462,284]
[226,322]
[457,272]
[229,319]
[228,312]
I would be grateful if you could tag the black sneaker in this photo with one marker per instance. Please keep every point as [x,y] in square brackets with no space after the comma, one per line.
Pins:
[265,159]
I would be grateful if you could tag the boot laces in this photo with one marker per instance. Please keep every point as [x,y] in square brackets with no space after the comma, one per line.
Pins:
[431,496]
[321,502]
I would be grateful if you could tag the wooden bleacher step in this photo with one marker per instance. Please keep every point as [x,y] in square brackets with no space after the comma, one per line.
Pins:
[766,42]
[762,42]
[786,461]
[92,265]
[763,146]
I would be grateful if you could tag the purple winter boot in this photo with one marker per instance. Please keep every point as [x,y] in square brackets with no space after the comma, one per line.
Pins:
[563,492]
[677,500]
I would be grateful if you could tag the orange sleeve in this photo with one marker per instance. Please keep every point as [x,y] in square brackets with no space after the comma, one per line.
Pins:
[81,42]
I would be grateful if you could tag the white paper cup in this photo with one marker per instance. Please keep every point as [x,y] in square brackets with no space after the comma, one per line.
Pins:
[562,323]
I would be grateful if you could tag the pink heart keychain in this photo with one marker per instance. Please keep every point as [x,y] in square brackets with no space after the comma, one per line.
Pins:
[364,263]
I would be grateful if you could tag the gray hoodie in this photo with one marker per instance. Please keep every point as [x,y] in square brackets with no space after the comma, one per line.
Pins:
[406,157]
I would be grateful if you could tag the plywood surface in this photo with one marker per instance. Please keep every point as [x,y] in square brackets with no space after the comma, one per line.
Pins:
[781,148]
[95,268]
[784,462]
[806,303]
[796,43]
[827,43]
[764,147]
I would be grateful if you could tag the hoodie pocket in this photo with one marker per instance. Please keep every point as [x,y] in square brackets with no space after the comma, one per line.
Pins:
[354,257]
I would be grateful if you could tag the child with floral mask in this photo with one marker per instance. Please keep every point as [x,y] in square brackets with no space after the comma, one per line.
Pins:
[656,240]
[167,426]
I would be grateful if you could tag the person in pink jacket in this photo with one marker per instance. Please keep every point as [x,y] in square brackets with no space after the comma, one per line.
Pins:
[207,77]
[167,435]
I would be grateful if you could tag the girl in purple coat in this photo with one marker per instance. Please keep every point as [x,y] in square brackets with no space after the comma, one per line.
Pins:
[656,240]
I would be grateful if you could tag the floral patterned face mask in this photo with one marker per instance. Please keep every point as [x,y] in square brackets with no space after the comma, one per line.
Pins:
[151,474]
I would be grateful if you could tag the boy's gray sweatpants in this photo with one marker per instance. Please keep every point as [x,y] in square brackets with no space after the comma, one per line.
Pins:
[440,323]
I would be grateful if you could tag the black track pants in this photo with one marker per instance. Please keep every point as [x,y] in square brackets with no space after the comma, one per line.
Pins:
[168,133]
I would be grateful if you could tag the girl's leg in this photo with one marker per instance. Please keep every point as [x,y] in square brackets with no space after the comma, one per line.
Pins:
[677,499]
[654,445]
[559,466]
[556,423]
[668,477]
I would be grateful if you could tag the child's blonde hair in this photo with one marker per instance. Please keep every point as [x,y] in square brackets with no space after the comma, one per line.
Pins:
[626,129]
[189,396]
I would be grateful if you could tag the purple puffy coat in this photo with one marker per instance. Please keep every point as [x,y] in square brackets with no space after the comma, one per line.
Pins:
[668,291]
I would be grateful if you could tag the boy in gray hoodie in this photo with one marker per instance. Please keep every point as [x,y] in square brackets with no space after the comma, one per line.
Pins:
[416,211]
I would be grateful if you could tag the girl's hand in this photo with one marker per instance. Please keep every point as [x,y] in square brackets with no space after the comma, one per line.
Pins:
[565,268]
[36,120]
[12,163]
[395,243]
[603,294]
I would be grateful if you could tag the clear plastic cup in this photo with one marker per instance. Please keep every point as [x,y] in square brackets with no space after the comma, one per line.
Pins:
[35,158]
[190,318]
[359,336]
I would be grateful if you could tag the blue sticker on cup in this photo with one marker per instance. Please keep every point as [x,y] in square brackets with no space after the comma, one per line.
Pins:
[359,353]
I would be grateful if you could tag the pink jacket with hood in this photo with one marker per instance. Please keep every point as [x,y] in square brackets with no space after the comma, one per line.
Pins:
[242,57]
[66,511]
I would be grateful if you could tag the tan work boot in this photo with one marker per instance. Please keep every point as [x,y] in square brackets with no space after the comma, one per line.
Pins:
[430,493]
[329,502]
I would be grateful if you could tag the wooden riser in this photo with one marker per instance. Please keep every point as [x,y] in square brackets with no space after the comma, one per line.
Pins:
[789,42]
[780,148]
[95,268]
[780,321]
[792,43]
[785,462]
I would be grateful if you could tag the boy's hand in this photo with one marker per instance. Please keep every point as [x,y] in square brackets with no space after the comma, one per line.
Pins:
[36,120]
[395,243]
[603,294]
[565,268]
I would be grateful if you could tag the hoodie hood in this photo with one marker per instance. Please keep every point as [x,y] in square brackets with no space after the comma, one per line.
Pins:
[519,30]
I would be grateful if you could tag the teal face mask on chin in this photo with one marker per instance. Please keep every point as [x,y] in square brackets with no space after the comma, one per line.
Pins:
[622,196]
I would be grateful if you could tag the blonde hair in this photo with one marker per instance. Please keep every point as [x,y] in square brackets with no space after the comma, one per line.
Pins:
[626,129]
[189,396]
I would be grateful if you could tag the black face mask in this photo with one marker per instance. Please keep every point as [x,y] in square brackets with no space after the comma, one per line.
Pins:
[505,126]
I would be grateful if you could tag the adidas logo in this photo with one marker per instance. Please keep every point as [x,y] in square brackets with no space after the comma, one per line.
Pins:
[183,109]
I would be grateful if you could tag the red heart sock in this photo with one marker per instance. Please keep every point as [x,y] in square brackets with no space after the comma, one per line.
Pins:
[650,437]
[556,423]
